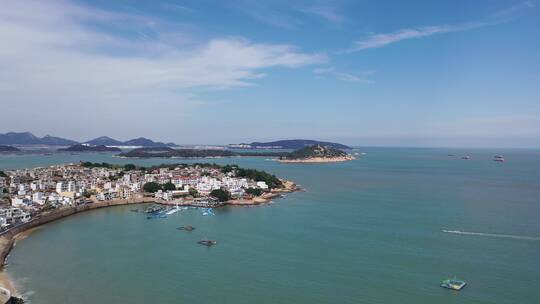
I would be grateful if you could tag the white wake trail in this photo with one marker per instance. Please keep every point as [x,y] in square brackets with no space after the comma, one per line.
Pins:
[507,236]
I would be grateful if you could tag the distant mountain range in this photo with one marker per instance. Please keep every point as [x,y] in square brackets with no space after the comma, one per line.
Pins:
[104,140]
[27,138]
[287,144]
[136,142]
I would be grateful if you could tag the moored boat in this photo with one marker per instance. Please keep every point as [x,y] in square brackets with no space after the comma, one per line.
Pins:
[453,283]
[498,158]
[173,210]
[186,228]
[207,242]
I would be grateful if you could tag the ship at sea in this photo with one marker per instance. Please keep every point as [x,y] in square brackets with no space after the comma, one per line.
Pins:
[453,283]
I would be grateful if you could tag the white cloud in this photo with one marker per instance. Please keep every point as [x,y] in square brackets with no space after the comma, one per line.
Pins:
[326,11]
[276,14]
[59,59]
[290,15]
[377,40]
[380,40]
[358,77]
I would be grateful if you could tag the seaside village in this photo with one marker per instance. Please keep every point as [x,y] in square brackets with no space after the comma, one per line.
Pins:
[28,193]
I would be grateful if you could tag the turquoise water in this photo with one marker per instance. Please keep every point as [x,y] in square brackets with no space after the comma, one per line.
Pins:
[366,231]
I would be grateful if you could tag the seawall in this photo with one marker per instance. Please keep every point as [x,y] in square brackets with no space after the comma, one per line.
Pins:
[7,238]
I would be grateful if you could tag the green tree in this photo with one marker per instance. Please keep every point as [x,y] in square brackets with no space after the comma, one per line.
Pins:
[271,180]
[2,174]
[129,167]
[228,168]
[88,193]
[151,187]
[193,192]
[254,191]
[168,186]
[221,194]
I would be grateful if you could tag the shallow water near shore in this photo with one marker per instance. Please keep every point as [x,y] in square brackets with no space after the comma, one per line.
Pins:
[364,231]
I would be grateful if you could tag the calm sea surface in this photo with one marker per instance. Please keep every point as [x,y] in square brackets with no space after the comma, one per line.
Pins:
[366,231]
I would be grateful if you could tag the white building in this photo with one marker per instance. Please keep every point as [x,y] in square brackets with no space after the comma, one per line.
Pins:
[262,185]
[72,187]
[10,216]
[38,198]
[20,202]
[61,187]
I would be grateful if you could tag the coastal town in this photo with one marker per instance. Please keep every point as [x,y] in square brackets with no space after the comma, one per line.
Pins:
[28,193]
[33,197]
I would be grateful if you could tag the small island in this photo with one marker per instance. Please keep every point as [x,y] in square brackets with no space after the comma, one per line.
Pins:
[89,148]
[287,144]
[8,149]
[316,154]
[168,152]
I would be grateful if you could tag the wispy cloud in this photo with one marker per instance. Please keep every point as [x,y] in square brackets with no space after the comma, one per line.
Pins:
[325,10]
[357,77]
[380,40]
[67,57]
[377,40]
[274,14]
[177,8]
[283,14]
[54,43]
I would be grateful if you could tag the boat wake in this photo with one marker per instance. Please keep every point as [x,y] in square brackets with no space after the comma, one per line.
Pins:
[506,236]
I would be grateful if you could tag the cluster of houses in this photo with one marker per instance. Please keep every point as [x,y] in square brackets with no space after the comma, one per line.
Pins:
[31,191]
[202,179]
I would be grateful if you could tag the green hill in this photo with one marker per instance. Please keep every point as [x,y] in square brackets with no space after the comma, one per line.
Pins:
[316,151]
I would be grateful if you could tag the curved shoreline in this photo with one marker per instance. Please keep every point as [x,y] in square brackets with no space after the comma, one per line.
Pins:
[9,237]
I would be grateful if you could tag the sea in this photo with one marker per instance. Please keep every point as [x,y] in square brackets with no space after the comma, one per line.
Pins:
[385,228]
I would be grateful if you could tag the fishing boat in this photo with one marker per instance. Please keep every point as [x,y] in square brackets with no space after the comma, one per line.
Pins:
[186,228]
[208,211]
[154,209]
[207,242]
[467,157]
[498,158]
[453,283]
[173,210]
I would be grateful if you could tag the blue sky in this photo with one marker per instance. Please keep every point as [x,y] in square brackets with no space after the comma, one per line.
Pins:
[410,73]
